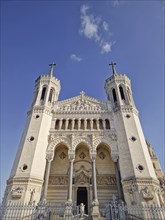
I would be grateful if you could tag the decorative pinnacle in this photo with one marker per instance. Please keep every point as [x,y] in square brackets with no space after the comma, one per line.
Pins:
[113,68]
[51,69]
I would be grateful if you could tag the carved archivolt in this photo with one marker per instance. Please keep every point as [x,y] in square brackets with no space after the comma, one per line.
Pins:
[51,147]
[79,140]
[105,140]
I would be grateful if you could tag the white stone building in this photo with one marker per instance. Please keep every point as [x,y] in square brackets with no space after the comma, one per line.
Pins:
[84,150]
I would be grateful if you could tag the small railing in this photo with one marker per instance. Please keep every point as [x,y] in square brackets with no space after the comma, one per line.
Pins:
[41,211]
[13,211]
[121,211]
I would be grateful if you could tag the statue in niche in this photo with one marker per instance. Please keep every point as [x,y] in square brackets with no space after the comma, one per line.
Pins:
[82,206]
[82,178]
[17,192]
[31,201]
[147,194]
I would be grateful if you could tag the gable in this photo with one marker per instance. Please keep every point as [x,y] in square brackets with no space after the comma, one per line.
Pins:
[82,103]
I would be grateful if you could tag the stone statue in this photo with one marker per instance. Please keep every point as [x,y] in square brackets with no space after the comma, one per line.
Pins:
[82,206]
[147,194]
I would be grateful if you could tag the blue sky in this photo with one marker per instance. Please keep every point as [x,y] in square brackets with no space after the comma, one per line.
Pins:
[82,37]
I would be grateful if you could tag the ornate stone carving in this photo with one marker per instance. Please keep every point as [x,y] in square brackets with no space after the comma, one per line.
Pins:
[102,155]
[147,193]
[81,178]
[58,180]
[32,192]
[82,155]
[81,103]
[114,157]
[17,192]
[113,136]
[62,155]
[106,180]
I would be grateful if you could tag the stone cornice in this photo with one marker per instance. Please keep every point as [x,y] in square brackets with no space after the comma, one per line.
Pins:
[19,180]
[40,109]
[133,180]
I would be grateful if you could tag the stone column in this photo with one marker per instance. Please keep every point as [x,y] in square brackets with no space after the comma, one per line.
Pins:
[49,159]
[104,125]
[66,125]
[85,124]
[95,203]
[115,158]
[73,122]
[91,124]
[79,124]
[69,199]
[94,181]
[60,124]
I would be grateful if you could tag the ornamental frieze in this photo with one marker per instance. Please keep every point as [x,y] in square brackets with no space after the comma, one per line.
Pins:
[106,180]
[58,180]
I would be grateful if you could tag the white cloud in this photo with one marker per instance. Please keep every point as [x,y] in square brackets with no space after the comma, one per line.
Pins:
[105,26]
[93,28]
[106,47]
[89,24]
[74,57]
[84,8]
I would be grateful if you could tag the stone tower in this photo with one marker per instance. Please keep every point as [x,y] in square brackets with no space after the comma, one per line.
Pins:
[29,166]
[138,177]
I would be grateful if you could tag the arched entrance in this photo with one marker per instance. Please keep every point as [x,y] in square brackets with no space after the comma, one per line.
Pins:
[82,176]
[82,197]
[106,179]
[58,178]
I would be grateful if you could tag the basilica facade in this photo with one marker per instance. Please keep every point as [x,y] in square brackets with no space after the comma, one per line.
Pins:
[84,150]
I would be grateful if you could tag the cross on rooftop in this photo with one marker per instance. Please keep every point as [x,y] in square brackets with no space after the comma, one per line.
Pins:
[51,68]
[113,67]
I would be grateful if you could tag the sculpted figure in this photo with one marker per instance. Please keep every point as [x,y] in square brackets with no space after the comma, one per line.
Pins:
[82,206]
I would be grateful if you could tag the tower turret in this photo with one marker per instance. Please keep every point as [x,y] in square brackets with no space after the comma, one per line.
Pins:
[47,89]
[136,168]
[27,174]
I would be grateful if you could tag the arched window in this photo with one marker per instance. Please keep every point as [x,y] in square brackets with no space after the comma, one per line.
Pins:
[121,92]
[63,124]
[57,124]
[107,124]
[43,93]
[114,95]
[94,124]
[51,95]
[101,124]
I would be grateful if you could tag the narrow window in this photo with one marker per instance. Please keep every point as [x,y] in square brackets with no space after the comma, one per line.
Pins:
[100,124]
[94,124]
[50,96]
[57,124]
[82,124]
[107,124]
[43,93]
[114,95]
[88,124]
[70,124]
[76,124]
[121,93]
[63,124]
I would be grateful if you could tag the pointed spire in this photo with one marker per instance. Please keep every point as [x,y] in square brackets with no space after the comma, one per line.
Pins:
[113,68]
[51,69]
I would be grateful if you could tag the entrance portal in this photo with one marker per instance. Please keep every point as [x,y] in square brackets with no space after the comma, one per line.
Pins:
[82,197]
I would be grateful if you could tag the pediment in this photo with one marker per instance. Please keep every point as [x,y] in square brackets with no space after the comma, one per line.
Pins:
[82,103]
